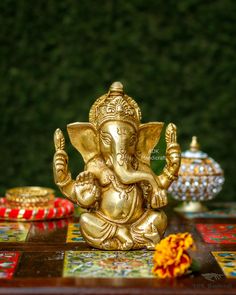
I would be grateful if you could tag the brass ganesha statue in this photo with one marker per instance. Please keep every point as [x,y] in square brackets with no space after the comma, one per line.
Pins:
[118,188]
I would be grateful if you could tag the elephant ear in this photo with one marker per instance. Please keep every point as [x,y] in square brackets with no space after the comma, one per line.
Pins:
[148,137]
[84,138]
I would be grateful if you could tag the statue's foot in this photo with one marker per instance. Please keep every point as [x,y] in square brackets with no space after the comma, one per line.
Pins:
[150,246]
[153,239]
[127,245]
[149,229]
[125,238]
[111,244]
[116,244]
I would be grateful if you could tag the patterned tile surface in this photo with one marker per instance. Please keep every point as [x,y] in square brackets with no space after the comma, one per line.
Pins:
[218,233]
[73,233]
[108,264]
[8,263]
[216,210]
[217,213]
[227,262]
[13,231]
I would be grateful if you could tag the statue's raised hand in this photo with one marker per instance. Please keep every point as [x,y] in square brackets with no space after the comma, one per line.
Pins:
[60,160]
[159,199]
[86,189]
[173,153]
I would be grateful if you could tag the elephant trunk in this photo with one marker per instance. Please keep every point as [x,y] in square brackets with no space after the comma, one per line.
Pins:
[128,175]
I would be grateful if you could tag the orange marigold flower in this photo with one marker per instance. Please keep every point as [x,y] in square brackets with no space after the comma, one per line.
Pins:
[171,258]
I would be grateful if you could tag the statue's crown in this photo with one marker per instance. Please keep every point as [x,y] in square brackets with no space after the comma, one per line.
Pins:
[115,106]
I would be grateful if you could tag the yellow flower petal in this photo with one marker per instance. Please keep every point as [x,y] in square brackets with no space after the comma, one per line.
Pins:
[170,258]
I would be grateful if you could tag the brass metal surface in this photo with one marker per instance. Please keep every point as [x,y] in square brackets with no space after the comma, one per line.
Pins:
[30,197]
[122,195]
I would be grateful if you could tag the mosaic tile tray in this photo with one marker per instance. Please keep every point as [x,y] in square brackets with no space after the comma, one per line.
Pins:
[218,233]
[217,213]
[108,264]
[13,231]
[215,210]
[52,256]
[227,262]
[8,263]
[73,233]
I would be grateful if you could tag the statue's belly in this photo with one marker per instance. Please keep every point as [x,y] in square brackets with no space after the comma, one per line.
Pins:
[118,207]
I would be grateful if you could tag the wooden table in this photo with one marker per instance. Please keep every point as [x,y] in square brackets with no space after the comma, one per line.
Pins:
[39,270]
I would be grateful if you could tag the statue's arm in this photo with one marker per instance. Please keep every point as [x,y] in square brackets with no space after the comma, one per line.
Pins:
[173,156]
[84,190]
[170,171]
[62,175]
[157,197]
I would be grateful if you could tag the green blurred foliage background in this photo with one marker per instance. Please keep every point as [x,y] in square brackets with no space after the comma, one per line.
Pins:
[176,58]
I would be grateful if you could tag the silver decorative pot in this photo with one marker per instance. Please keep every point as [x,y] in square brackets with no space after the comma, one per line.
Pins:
[200,179]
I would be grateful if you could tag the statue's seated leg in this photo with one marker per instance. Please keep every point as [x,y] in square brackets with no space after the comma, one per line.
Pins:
[149,229]
[124,236]
[103,234]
